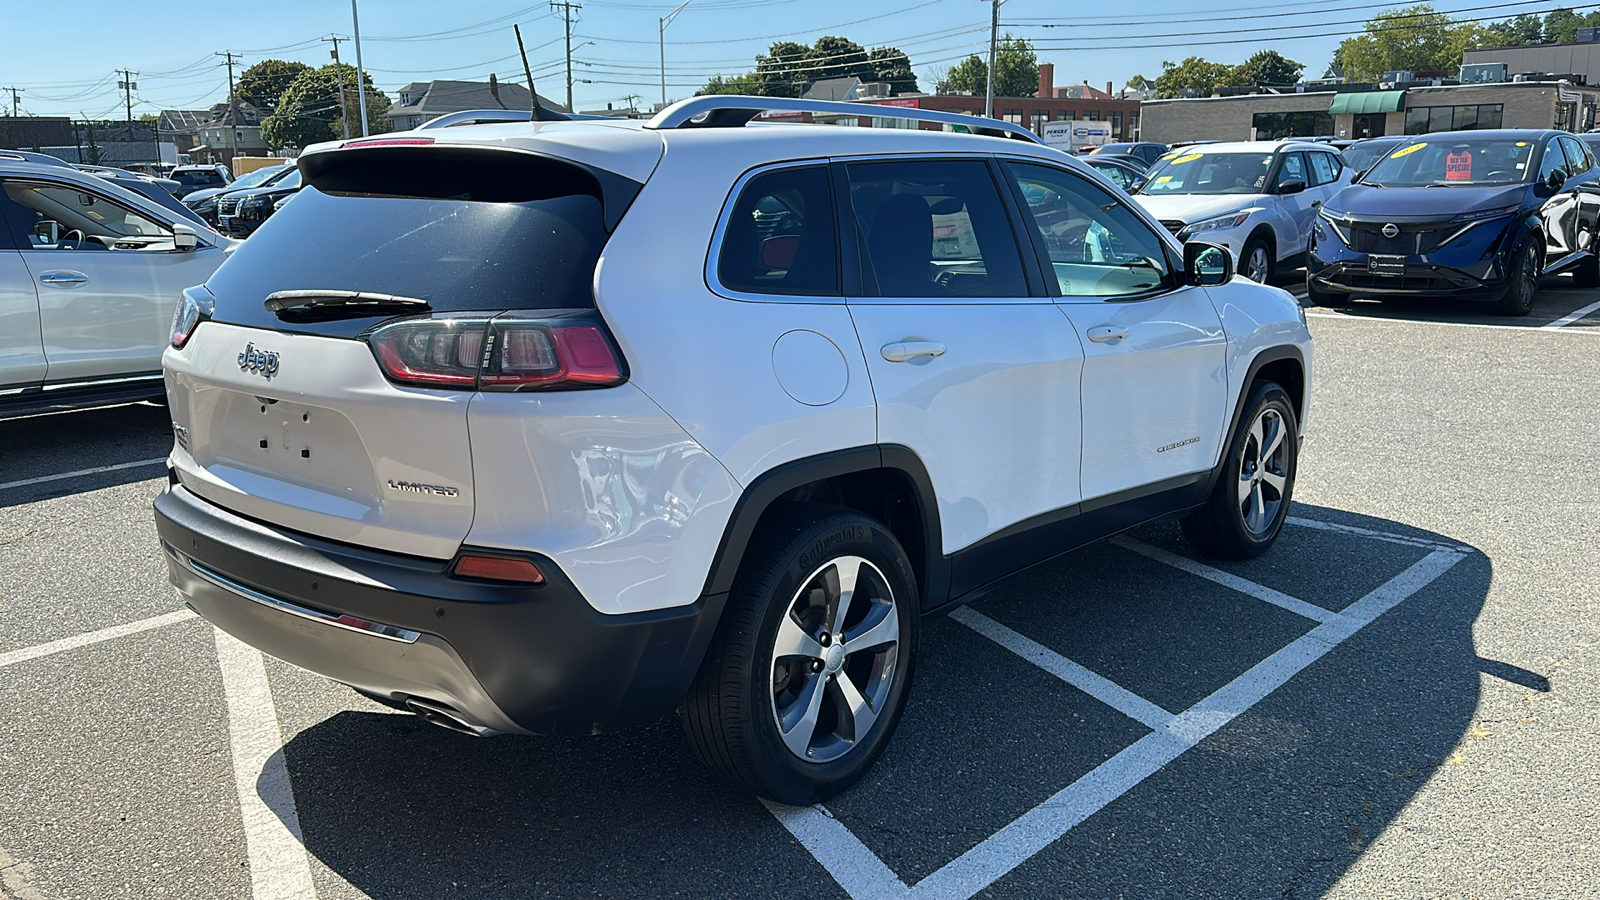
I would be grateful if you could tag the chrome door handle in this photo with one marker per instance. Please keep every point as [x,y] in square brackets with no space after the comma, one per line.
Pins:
[1100,334]
[902,351]
[63,278]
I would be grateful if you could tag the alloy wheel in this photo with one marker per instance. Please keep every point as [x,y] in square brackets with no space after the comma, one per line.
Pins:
[1263,473]
[834,659]
[1255,265]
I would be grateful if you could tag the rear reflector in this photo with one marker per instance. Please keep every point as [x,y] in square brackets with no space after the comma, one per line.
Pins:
[497,568]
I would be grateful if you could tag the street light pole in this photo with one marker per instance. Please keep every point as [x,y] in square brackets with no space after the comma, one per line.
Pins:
[994,36]
[665,21]
[361,72]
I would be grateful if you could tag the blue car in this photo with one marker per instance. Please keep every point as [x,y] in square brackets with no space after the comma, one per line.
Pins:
[1475,215]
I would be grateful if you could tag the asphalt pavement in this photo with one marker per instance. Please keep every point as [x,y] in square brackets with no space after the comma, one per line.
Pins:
[1400,699]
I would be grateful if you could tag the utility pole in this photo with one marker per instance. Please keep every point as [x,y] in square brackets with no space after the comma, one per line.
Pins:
[16,105]
[232,118]
[994,39]
[361,72]
[338,69]
[566,7]
[128,86]
[665,21]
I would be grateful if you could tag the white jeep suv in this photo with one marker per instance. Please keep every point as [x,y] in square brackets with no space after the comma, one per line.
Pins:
[557,426]
[1259,199]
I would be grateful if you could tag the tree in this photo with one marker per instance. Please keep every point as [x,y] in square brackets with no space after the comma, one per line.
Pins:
[733,84]
[1016,70]
[789,68]
[784,70]
[1267,67]
[1194,74]
[1524,29]
[890,65]
[309,109]
[1561,26]
[263,84]
[1414,39]
[837,57]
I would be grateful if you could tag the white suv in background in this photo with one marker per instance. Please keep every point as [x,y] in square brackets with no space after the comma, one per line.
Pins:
[557,426]
[1257,198]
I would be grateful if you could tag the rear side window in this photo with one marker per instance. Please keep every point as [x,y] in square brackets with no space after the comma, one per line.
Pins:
[531,242]
[781,237]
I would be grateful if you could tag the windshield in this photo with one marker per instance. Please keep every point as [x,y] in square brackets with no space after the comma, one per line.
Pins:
[259,176]
[1454,161]
[1210,173]
[1360,157]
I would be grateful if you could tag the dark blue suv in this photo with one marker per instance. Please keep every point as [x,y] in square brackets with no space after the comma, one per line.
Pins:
[1479,215]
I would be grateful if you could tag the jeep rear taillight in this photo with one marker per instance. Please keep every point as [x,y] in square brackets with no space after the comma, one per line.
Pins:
[509,352]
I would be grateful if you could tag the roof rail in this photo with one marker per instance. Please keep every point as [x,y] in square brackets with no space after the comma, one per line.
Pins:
[731,111]
[474,116]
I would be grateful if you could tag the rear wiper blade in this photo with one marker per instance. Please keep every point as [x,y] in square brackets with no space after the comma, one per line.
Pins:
[322,304]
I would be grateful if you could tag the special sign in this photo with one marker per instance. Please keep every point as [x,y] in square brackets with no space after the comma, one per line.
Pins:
[1458,166]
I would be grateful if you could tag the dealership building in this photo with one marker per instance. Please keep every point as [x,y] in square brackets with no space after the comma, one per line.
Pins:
[1370,110]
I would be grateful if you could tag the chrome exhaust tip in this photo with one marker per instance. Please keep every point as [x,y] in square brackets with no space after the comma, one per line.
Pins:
[447,718]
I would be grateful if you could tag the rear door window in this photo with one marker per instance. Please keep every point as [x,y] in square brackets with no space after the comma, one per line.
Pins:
[781,237]
[1325,166]
[934,228]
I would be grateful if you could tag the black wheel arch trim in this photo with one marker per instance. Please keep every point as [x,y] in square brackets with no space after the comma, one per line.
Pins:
[771,485]
[1257,363]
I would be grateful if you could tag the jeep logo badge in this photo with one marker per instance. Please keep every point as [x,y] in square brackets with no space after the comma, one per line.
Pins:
[261,362]
[1391,230]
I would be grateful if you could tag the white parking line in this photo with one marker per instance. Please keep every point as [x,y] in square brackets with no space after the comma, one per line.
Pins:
[82,472]
[93,637]
[863,874]
[279,867]
[1379,535]
[1346,317]
[1228,580]
[1574,316]
[1103,689]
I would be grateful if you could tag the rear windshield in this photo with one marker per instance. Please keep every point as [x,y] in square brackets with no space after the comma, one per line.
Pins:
[456,254]
[193,177]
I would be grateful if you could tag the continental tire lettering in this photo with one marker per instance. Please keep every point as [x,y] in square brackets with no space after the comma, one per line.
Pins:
[825,544]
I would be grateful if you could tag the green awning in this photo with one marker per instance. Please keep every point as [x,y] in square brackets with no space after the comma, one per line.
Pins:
[1366,102]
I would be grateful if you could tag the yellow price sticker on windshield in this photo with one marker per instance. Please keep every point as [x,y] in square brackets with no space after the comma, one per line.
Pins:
[1404,150]
[1522,143]
[1163,179]
[1190,158]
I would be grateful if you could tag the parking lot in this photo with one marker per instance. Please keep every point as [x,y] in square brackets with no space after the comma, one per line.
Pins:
[1398,700]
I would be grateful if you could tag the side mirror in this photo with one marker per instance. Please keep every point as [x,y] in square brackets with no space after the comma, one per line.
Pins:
[1556,181]
[1291,187]
[1206,265]
[184,238]
[1137,184]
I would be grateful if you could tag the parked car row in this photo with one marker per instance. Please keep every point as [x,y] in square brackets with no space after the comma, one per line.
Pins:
[1477,216]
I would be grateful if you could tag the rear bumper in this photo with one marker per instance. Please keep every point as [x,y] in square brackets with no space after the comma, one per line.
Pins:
[503,657]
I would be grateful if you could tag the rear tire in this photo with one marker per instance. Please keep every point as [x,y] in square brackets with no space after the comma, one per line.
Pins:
[1250,501]
[799,692]
[1524,282]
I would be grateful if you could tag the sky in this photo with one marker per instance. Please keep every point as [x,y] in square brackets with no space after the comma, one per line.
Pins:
[65,64]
